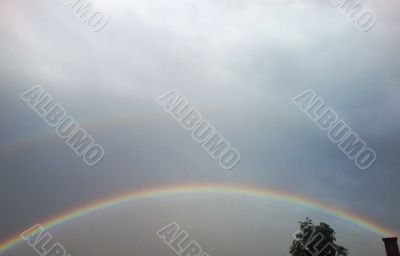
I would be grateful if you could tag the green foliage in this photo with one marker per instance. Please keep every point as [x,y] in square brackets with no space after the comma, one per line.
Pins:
[316,240]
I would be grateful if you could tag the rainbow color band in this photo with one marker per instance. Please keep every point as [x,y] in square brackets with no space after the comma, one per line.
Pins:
[200,189]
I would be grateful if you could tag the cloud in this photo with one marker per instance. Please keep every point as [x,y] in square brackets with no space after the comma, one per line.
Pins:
[239,62]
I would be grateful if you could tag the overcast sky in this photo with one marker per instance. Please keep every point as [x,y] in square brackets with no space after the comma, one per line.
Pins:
[239,63]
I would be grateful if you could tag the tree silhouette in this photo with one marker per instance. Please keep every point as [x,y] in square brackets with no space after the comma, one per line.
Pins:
[316,240]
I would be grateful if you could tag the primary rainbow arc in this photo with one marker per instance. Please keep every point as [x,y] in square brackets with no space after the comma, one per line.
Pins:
[262,193]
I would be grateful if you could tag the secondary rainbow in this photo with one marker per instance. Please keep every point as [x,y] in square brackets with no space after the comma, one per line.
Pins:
[212,189]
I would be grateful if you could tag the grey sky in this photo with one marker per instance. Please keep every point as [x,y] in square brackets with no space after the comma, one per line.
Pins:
[239,63]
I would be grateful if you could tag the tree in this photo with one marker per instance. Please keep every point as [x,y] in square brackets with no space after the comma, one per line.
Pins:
[316,240]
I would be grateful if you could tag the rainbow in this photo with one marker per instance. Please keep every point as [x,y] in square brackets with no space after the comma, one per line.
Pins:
[212,189]
[41,137]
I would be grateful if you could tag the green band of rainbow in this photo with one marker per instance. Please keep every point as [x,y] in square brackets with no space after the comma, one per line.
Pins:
[213,189]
